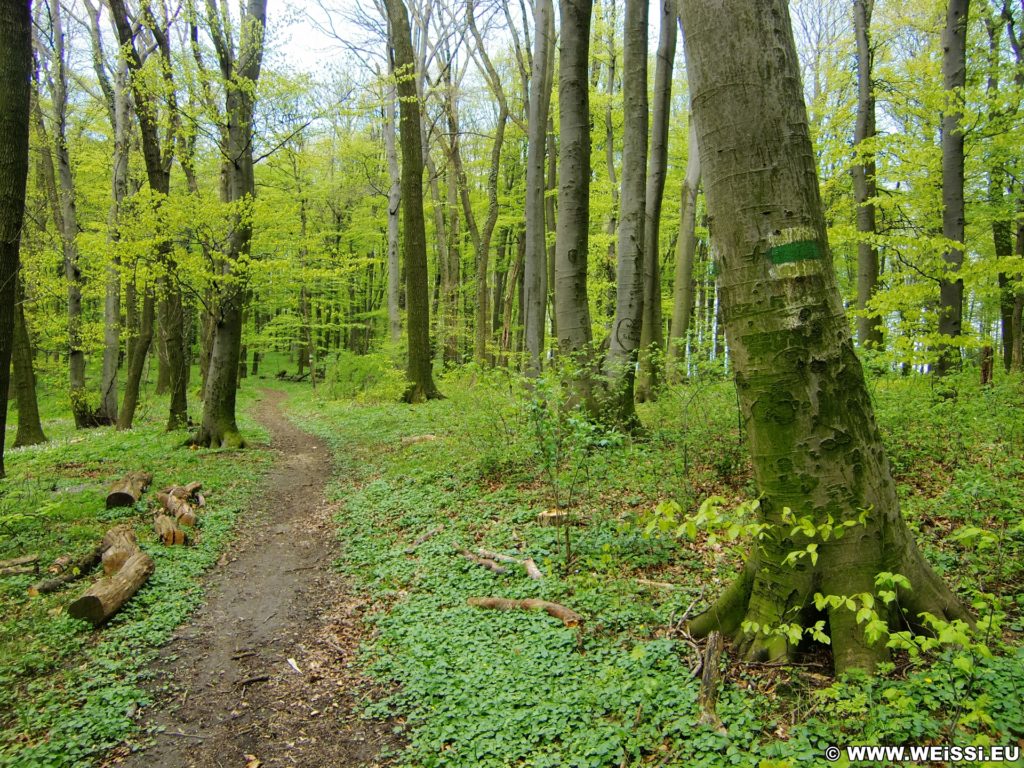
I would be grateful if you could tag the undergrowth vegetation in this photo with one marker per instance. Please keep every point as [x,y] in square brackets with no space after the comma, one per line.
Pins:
[490,688]
[69,693]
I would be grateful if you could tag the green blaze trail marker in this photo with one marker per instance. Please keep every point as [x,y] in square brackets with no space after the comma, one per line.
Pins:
[801,250]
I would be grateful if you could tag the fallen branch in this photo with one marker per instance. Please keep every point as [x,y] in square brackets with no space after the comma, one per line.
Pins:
[423,538]
[414,439]
[72,571]
[553,518]
[23,560]
[656,584]
[19,565]
[529,565]
[484,562]
[568,616]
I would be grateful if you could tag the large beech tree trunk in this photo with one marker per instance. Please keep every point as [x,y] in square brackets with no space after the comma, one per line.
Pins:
[869,329]
[954,77]
[394,204]
[420,367]
[572,242]
[652,338]
[686,248]
[15,73]
[620,368]
[807,413]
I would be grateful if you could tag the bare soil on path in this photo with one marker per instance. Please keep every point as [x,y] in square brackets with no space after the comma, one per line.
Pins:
[265,673]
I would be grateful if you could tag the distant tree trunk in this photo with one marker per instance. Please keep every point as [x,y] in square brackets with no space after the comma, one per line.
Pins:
[482,244]
[652,337]
[30,429]
[420,366]
[394,203]
[15,74]
[115,93]
[611,226]
[137,361]
[807,413]
[686,247]
[869,329]
[572,242]
[535,263]
[954,78]
[620,369]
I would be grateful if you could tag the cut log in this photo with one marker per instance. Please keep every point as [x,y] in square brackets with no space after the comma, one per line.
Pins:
[484,562]
[15,561]
[119,544]
[60,564]
[105,598]
[73,571]
[568,616]
[553,517]
[18,570]
[708,696]
[178,508]
[168,531]
[129,489]
[189,491]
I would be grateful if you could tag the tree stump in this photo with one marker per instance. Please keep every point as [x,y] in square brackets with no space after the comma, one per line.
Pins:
[129,489]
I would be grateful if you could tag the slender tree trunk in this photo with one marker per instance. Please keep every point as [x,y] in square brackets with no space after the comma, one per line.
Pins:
[535,263]
[137,361]
[807,413]
[652,338]
[611,226]
[869,329]
[954,78]
[30,429]
[394,203]
[620,365]
[420,366]
[572,242]
[686,247]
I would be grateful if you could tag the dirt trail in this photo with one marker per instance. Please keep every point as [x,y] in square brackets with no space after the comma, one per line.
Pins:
[266,670]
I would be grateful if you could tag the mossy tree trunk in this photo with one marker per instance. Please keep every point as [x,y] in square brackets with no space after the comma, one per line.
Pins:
[15,73]
[420,366]
[30,429]
[807,413]
[240,69]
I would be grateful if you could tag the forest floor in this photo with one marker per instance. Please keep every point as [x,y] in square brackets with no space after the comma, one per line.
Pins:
[265,673]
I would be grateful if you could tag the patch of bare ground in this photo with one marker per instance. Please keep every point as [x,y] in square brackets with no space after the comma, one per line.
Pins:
[266,672]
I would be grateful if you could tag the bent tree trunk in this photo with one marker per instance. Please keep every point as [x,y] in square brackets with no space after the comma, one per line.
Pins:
[811,430]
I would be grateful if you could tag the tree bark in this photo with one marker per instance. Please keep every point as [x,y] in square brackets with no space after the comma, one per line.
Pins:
[686,247]
[137,361]
[15,73]
[652,339]
[394,204]
[869,329]
[620,365]
[30,429]
[572,241]
[807,413]
[420,366]
[241,72]
[951,287]
[535,261]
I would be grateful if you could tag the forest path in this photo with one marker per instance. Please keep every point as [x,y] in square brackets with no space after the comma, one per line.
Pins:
[265,673]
